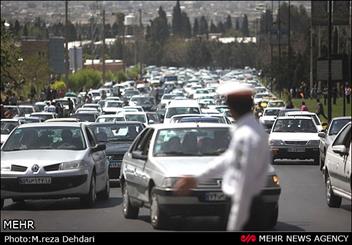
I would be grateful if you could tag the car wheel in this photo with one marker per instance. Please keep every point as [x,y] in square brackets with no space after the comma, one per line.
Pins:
[129,211]
[332,200]
[105,194]
[273,214]
[89,199]
[158,219]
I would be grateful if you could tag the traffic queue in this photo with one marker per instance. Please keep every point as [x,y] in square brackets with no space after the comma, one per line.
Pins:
[146,135]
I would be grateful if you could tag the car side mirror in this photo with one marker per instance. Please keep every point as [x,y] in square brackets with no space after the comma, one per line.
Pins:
[138,155]
[321,134]
[99,147]
[151,121]
[340,149]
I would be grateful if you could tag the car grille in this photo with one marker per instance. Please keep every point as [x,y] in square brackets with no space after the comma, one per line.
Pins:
[296,142]
[18,168]
[117,157]
[54,167]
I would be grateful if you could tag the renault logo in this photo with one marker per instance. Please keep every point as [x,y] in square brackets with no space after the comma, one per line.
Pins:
[35,168]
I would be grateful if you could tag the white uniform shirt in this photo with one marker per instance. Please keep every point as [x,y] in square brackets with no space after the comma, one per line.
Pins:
[243,166]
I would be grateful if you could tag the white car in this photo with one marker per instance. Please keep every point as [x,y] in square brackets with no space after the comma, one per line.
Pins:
[136,117]
[51,160]
[110,118]
[92,105]
[112,106]
[269,117]
[337,168]
[178,107]
[313,115]
[26,110]
[294,138]
[7,125]
[259,97]
[166,99]
[277,104]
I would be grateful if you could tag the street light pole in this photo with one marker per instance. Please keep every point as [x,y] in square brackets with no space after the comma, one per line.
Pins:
[329,63]
[103,51]
[66,40]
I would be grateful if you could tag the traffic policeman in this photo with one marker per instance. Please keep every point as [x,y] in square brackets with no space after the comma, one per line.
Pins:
[244,165]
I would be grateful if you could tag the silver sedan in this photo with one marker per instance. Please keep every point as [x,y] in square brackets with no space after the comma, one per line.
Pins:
[53,160]
[161,154]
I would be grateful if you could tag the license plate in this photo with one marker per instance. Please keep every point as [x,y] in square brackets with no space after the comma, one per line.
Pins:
[114,164]
[35,181]
[215,196]
[296,150]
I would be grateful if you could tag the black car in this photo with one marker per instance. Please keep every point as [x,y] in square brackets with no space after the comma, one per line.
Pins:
[118,136]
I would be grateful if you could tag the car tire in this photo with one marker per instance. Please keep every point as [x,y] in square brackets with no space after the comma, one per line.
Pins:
[332,200]
[158,218]
[129,211]
[89,199]
[105,194]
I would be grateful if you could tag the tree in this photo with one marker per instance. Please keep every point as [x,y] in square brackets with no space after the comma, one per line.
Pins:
[84,79]
[221,27]
[237,26]
[213,28]
[228,23]
[159,30]
[177,19]
[17,28]
[118,26]
[71,32]
[195,27]
[25,30]
[186,25]
[245,30]
[203,26]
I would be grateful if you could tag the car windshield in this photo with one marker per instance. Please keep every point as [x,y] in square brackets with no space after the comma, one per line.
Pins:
[39,107]
[191,142]
[136,117]
[43,116]
[52,138]
[143,100]
[113,104]
[7,127]
[200,119]
[26,110]
[85,117]
[115,132]
[276,104]
[295,126]
[181,110]
[167,97]
[272,112]
[337,125]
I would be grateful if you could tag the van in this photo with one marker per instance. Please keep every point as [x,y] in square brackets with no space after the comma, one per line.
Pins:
[177,107]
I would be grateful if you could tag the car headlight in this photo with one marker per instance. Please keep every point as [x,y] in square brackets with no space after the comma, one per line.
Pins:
[276,142]
[70,165]
[314,142]
[276,179]
[169,182]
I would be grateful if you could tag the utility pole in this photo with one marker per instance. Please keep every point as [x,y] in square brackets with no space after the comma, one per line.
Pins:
[311,55]
[279,39]
[271,46]
[66,40]
[140,35]
[329,63]
[103,50]
[289,44]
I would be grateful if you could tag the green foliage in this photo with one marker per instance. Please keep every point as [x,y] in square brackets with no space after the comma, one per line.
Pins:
[133,73]
[110,76]
[84,79]
[121,76]
[58,85]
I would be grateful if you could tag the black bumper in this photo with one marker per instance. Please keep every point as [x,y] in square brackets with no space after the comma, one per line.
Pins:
[283,153]
[57,184]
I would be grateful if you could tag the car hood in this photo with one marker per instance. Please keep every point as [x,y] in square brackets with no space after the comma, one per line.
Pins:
[180,166]
[40,157]
[294,136]
[118,147]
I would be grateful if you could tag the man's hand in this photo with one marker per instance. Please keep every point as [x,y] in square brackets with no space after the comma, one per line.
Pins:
[184,184]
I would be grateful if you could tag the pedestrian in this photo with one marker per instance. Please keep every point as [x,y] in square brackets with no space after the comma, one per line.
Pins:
[320,109]
[243,172]
[304,107]
[289,104]
[348,93]
[70,106]
[325,94]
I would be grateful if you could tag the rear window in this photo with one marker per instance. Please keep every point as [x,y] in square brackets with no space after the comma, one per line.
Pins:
[181,110]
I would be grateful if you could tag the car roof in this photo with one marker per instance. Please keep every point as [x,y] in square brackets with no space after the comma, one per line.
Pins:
[25,106]
[340,118]
[134,113]
[273,108]
[110,116]
[189,125]
[115,123]
[295,117]
[300,113]
[42,113]
[51,124]
[183,103]
[10,120]
[68,119]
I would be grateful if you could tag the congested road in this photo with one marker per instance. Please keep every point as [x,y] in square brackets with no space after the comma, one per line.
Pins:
[302,207]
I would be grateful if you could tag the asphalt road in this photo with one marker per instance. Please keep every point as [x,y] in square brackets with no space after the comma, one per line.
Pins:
[302,207]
